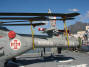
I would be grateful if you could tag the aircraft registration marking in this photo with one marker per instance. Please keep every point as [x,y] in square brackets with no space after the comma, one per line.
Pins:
[15,44]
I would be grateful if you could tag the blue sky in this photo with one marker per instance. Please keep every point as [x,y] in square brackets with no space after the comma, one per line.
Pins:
[57,6]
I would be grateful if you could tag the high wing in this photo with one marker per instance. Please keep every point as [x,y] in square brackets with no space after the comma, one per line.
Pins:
[40,14]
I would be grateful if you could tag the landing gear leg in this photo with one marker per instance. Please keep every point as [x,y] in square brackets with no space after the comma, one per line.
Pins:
[59,50]
[41,53]
[44,50]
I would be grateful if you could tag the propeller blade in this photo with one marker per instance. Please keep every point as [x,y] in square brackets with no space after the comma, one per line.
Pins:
[33,19]
[40,14]
[12,21]
[24,18]
[35,24]
[67,18]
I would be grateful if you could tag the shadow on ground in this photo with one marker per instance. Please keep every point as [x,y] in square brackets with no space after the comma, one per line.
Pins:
[42,60]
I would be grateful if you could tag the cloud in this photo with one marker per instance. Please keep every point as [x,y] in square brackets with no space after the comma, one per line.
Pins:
[75,10]
[84,17]
[87,14]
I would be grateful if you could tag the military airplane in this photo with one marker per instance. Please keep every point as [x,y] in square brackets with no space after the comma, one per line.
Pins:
[12,44]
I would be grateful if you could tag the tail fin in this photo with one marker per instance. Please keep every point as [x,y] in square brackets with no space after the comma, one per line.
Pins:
[52,22]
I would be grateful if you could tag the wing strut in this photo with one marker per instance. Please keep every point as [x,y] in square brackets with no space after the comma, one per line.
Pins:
[65,29]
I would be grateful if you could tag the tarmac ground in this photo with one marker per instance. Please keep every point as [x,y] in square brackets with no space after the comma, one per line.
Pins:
[65,59]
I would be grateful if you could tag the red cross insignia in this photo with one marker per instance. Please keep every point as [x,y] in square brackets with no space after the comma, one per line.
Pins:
[15,44]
